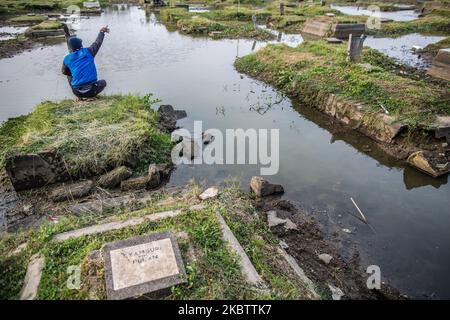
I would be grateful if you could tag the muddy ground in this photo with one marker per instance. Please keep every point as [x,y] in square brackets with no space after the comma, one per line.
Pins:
[306,243]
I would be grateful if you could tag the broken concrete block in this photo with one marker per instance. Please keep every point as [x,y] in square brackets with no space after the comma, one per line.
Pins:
[441,127]
[209,193]
[190,148]
[94,267]
[163,169]
[36,170]
[336,293]
[138,183]
[316,28]
[273,220]
[32,278]
[441,65]
[71,191]
[113,178]
[207,138]
[154,177]
[433,164]
[262,188]
[343,30]
[326,258]
[319,28]
[334,40]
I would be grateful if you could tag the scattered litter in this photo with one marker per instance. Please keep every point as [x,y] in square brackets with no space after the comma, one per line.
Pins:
[283,244]
[363,217]
[336,293]
[54,219]
[384,109]
[346,230]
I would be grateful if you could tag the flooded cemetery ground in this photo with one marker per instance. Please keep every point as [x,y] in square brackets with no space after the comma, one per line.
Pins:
[401,15]
[323,164]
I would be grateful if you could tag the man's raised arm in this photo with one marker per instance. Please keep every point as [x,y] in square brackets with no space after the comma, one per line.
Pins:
[95,47]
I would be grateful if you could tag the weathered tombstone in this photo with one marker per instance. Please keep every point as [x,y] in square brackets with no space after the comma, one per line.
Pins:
[149,264]
[441,65]
[355,46]
[316,28]
[281,8]
[343,30]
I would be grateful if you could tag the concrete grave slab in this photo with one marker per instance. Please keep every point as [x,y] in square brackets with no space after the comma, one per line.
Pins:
[142,265]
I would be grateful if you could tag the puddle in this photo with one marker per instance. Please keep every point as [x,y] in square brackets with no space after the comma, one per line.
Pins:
[401,15]
[291,40]
[321,166]
[7,33]
[401,48]
[193,8]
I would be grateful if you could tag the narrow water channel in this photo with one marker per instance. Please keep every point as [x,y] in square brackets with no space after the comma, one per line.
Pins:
[401,15]
[321,165]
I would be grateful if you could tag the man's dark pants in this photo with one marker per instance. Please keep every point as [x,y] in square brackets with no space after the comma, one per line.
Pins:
[90,91]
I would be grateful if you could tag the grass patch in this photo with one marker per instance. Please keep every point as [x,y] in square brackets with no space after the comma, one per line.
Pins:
[90,136]
[314,70]
[45,25]
[20,6]
[227,23]
[28,19]
[212,269]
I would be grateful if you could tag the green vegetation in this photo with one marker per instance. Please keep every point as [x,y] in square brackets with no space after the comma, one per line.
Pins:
[90,136]
[226,23]
[18,6]
[45,25]
[212,269]
[314,70]
[28,19]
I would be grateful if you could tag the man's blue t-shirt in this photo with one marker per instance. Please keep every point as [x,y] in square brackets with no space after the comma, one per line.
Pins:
[82,67]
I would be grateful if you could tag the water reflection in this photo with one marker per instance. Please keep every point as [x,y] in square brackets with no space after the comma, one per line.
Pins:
[401,15]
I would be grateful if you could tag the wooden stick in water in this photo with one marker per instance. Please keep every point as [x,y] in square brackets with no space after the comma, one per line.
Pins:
[364,219]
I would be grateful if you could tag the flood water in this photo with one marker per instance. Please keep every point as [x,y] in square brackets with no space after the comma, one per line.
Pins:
[401,15]
[401,48]
[321,165]
[7,33]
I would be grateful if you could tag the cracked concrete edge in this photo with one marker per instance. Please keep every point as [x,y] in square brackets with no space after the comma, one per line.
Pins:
[248,270]
[32,278]
[309,285]
[101,228]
